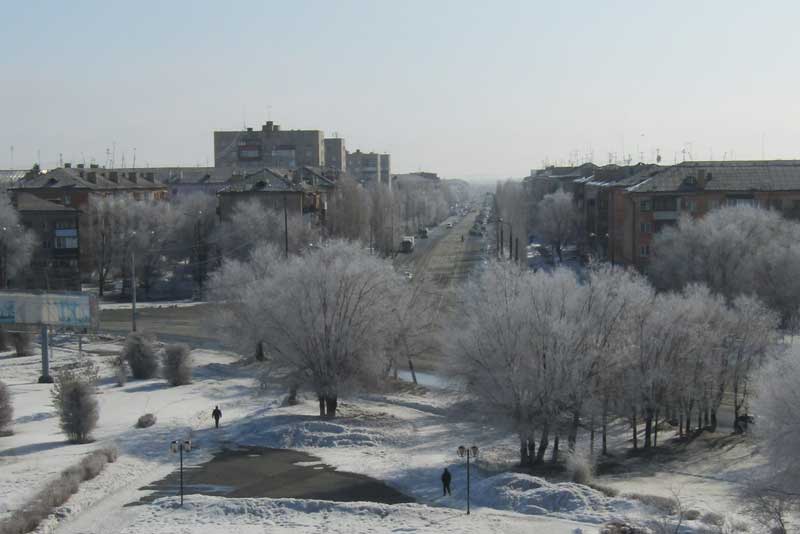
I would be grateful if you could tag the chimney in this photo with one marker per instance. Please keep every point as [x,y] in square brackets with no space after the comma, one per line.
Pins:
[113,177]
[249,129]
[94,166]
[701,178]
[68,165]
[276,128]
[80,165]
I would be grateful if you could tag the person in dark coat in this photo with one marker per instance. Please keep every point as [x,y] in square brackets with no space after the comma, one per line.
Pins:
[446,482]
[217,415]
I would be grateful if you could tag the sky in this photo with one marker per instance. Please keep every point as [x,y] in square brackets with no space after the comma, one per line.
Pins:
[476,90]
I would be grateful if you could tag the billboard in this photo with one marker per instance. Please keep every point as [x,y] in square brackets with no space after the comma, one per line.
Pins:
[77,310]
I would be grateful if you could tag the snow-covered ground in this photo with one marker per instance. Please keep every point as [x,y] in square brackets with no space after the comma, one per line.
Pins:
[158,304]
[403,438]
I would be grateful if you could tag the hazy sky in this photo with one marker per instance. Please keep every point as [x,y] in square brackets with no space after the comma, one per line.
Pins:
[466,89]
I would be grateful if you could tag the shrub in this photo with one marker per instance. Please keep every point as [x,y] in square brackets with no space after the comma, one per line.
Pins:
[666,505]
[146,420]
[6,407]
[22,342]
[713,518]
[140,355]
[120,370]
[691,515]
[73,397]
[579,467]
[56,493]
[177,364]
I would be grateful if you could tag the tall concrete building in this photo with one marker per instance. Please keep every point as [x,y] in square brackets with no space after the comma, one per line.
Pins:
[250,150]
[335,154]
[369,166]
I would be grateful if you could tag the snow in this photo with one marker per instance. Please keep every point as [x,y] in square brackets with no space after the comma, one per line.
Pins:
[160,304]
[404,439]
[210,515]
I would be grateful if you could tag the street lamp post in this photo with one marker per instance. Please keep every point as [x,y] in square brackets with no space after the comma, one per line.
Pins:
[178,446]
[467,452]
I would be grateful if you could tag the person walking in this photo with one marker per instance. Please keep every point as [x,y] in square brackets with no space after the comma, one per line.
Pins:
[217,415]
[446,482]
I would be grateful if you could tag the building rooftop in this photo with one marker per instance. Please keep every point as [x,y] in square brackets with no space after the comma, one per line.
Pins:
[29,202]
[80,178]
[270,180]
[776,175]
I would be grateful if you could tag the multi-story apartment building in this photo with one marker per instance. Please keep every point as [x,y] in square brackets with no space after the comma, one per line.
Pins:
[55,264]
[335,154]
[248,150]
[369,167]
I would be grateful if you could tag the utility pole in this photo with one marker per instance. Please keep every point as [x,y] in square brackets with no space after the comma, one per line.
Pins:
[510,241]
[285,227]
[133,290]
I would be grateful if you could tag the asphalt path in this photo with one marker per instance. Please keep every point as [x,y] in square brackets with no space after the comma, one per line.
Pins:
[274,473]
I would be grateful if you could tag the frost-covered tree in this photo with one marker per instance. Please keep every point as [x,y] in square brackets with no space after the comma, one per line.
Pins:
[6,407]
[107,219]
[196,220]
[16,241]
[557,221]
[348,212]
[325,317]
[251,224]
[733,250]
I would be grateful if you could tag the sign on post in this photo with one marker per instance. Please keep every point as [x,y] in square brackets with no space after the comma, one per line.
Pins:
[71,310]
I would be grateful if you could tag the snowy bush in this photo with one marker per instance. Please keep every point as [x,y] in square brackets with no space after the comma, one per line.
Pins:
[56,493]
[177,364]
[580,468]
[73,397]
[146,420]
[23,343]
[120,367]
[140,355]
[6,407]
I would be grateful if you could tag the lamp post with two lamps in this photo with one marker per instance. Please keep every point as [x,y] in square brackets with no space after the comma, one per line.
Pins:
[465,452]
[179,446]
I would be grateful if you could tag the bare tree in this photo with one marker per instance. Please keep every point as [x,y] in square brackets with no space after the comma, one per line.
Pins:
[107,217]
[196,220]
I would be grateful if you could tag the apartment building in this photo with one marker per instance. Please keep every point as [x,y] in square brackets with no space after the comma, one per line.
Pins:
[249,150]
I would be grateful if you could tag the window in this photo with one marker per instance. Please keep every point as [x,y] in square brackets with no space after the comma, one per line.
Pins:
[665,204]
[67,200]
[644,251]
[742,202]
[689,204]
[645,227]
[66,242]
[644,205]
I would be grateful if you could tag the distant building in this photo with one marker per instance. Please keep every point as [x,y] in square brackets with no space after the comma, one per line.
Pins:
[248,150]
[364,166]
[386,168]
[72,187]
[56,257]
[272,188]
[335,154]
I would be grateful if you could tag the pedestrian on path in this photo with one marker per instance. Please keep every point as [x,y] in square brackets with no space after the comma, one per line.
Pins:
[217,415]
[446,482]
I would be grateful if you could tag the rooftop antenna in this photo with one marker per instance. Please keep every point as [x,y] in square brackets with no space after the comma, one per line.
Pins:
[763,135]
[39,157]
[658,155]
[123,159]
[12,156]
[134,157]
[113,153]
[83,159]
[60,159]
[269,113]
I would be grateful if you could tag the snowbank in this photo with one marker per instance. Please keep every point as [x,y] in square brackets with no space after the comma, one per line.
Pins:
[207,515]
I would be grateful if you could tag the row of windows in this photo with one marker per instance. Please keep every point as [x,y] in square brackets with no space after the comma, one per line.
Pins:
[691,204]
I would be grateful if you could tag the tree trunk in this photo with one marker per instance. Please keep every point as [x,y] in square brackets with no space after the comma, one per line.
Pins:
[572,437]
[321,406]
[331,404]
[543,443]
[531,449]
[101,282]
[591,435]
[260,351]
[635,434]
[554,458]
[655,430]
[292,399]
[411,368]
[523,452]
[680,423]
[605,435]
[705,417]
[713,420]
[648,430]
[699,418]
